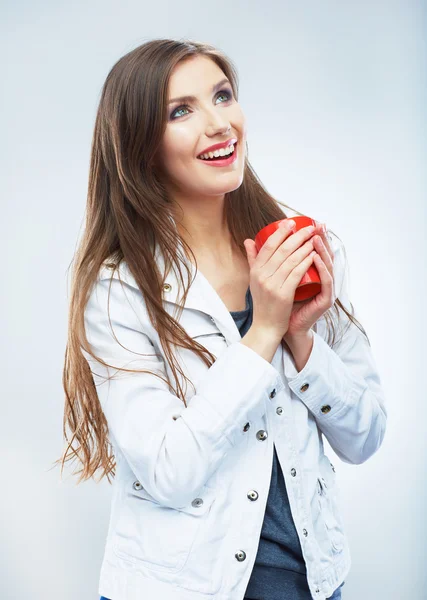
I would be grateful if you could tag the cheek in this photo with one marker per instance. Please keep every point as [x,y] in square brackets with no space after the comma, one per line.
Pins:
[178,148]
[237,119]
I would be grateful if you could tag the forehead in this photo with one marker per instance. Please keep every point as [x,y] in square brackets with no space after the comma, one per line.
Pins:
[193,75]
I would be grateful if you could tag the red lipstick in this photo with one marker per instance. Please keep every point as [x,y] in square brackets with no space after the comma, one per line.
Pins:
[218,146]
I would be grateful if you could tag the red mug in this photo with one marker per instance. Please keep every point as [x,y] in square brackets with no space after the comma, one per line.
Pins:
[310,284]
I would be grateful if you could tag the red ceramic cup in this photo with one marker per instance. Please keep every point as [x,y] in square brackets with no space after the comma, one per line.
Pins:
[310,284]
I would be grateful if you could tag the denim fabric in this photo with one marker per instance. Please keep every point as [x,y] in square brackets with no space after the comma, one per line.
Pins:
[335,596]
[279,572]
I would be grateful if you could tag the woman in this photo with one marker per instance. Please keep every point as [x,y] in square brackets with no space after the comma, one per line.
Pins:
[221,491]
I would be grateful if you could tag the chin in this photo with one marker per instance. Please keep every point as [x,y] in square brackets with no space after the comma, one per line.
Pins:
[232,185]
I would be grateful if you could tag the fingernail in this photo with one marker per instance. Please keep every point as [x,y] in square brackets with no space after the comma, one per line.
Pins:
[291,223]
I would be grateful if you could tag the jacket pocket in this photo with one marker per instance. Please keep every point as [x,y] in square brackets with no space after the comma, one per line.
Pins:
[327,496]
[158,536]
[199,326]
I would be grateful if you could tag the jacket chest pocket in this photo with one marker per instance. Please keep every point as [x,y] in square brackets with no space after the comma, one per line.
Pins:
[158,536]
[203,330]
[328,504]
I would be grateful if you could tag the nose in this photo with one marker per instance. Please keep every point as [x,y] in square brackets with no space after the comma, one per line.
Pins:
[220,129]
[217,124]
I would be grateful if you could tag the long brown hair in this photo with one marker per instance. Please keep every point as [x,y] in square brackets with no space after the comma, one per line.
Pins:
[127,211]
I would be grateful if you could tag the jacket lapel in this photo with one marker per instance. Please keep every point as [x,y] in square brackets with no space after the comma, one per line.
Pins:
[201,296]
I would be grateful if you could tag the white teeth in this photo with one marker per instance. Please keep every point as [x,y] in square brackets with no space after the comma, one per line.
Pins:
[220,152]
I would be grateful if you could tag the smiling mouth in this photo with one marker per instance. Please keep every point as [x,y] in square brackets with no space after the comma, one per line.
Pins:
[218,158]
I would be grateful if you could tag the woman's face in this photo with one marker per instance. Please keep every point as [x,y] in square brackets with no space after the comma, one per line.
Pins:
[213,116]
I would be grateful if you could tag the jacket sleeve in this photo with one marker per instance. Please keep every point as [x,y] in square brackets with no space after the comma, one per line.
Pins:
[341,386]
[172,457]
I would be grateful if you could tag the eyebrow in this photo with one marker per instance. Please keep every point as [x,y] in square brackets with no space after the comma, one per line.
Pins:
[185,99]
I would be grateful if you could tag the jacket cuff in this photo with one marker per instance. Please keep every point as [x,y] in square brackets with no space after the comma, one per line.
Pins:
[325,384]
[233,392]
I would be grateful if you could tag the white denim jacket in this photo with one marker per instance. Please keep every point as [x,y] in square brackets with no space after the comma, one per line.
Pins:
[191,484]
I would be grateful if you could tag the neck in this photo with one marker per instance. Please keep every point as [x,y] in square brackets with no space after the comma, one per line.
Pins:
[204,228]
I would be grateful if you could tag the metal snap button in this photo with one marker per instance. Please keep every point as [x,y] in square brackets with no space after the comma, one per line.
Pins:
[137,486]
[325,409]
[197,502]
[293,472]
[305,532]
[273,393]
[167,287]
[304,387]
[240,555]
[252,495]
[279,410]
[262,435]
[246,427]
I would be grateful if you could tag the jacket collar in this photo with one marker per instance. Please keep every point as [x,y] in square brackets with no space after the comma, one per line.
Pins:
[201,295]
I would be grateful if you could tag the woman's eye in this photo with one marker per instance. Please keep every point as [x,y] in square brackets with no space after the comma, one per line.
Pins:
[227,93]
[176,111]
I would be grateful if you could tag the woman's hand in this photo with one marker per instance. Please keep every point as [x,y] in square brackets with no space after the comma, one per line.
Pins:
[305,313]
[275,273]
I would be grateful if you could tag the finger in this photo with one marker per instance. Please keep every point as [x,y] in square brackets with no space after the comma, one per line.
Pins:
[326,279]
[251,251]
[321,249]
[325,239]
[283,231]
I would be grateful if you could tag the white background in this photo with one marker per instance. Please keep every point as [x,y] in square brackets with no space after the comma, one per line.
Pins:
[335,96]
